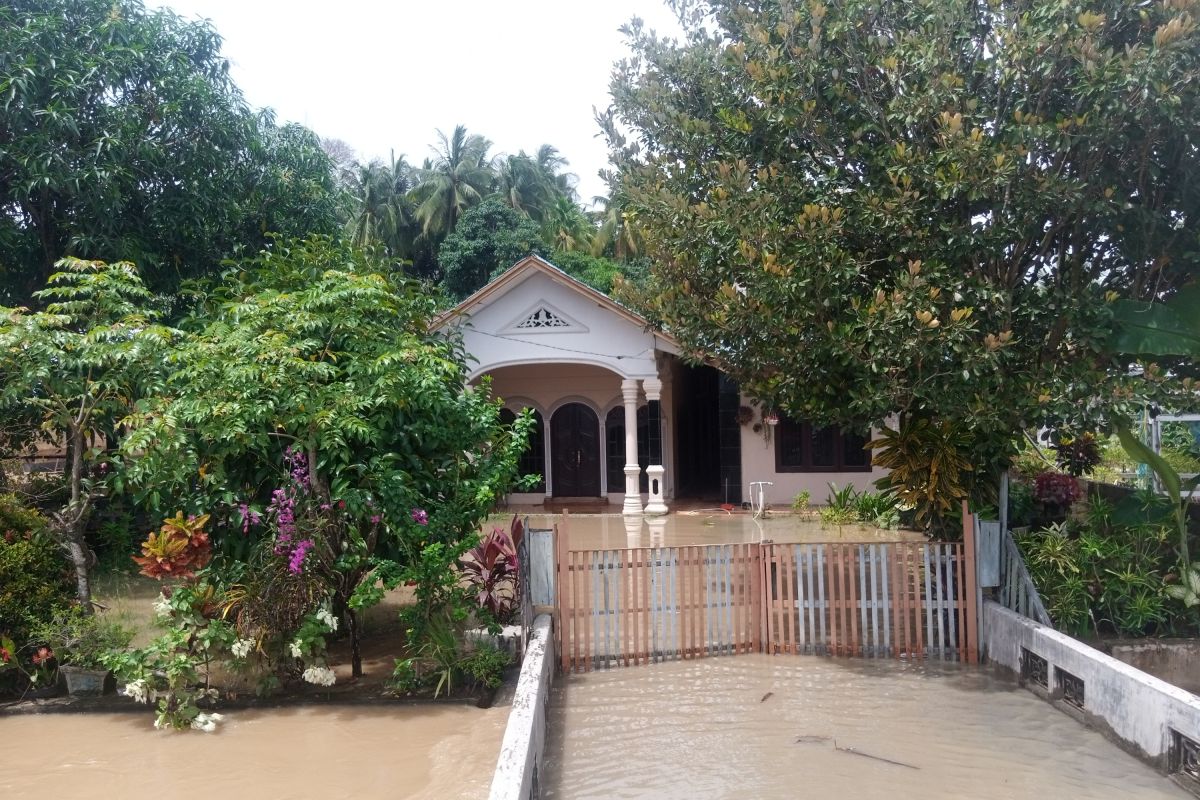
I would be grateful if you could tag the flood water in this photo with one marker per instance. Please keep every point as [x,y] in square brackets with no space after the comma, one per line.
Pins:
[702,729]
[445,751]
[608,531]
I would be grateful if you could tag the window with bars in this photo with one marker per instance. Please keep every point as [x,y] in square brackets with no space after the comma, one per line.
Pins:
[1071,687]
[804,447]
[1185,759]
[1034,668]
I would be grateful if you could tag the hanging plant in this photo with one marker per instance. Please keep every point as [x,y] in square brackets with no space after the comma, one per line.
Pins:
[745,415]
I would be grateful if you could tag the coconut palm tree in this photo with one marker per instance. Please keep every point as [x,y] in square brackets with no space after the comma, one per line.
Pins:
[383,214]
[553,165]
[565,226]
[524,186]
[616,233]
[459,176]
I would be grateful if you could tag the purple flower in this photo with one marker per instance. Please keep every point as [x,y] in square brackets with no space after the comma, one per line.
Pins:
[420,516]
[375,519]
[296,562]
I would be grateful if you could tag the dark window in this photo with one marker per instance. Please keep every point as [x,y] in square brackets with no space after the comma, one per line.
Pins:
[614,433]
[533,460]
[802,447]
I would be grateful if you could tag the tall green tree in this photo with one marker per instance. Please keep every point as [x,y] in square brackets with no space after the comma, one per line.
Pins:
[314,348]
[858,208]
[77,368]
[489,239]
[122,136]
[458,177]
[383,213]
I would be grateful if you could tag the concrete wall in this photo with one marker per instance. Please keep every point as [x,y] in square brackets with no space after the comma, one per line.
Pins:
[1176,661]
[1138,710]
[520,764]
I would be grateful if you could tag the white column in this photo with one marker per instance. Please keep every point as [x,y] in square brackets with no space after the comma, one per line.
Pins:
[655,471]
[633,493]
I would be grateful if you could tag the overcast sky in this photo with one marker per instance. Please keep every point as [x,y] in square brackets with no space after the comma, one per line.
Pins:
[385,75]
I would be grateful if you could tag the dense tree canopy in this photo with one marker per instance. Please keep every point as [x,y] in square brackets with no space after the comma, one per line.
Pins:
[123,137]
[490,238]
[860,208]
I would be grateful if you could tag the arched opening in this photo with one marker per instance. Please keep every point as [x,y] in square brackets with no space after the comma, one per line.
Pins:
[533,459]
[575,451]
[614,449]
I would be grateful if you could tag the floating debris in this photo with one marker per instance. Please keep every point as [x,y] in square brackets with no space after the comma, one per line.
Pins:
[854,752]
[767,697]
[812,739]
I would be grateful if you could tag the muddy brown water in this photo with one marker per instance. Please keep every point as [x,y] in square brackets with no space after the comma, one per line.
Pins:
[420,752]
[713,526]
[702,729]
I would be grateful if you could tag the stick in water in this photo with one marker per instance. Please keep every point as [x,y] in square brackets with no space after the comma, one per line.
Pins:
[852,751]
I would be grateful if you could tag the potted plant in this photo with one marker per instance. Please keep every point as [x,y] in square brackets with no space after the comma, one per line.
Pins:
[81,644]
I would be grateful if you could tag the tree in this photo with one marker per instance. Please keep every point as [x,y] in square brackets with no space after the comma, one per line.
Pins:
[525,186]
[124,138]
[566,227]
[859,209]
[383,213]
[312,358]
[459,177]
[78,367]
[489,239]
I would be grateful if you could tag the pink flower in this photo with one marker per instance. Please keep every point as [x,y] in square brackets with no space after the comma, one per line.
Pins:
[420,516]
[375,519]
[43,655]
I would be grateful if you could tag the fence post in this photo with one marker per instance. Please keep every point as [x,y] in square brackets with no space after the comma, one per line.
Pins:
[973,598]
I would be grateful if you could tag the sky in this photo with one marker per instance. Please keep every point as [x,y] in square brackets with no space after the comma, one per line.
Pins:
[384,76]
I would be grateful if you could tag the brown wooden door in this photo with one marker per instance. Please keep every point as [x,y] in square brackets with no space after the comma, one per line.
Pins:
[575,451]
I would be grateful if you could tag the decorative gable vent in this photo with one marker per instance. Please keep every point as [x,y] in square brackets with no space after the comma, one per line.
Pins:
[542,318]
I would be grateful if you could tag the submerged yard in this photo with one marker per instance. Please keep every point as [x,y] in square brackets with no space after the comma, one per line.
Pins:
[795,726]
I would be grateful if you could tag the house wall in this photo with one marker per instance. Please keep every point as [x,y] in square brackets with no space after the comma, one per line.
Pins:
[546,387]
[758,464]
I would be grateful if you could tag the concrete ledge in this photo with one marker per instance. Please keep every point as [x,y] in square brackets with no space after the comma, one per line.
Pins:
[1137,710]
[519,766]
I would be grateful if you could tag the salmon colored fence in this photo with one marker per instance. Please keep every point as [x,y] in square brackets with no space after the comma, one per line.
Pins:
[638,605]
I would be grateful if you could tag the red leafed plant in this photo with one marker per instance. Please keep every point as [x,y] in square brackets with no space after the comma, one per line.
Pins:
[491,570]
[1056,489]
[177,549]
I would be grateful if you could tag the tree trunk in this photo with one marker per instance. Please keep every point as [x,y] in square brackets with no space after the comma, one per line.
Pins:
[70,523]
[355,653]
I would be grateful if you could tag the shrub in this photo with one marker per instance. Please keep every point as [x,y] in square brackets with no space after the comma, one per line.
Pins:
[800,502]
[81,640]
[1056,489]
[35,579]
[491,572]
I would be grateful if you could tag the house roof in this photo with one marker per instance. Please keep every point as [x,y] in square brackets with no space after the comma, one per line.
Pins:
[534,264]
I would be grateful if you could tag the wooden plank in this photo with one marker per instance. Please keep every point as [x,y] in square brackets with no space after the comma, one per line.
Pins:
[952,605]
[648,616]
[930,580]
[833,597]
[685,618]
[971,586]
[811,595]
[860,554]
[851,611]
[961,602]
[756,598]
[822,597]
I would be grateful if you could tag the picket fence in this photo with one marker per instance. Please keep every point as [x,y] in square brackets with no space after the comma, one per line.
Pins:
[622,607]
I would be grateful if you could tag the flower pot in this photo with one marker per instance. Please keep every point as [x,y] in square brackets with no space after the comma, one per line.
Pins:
[84,682]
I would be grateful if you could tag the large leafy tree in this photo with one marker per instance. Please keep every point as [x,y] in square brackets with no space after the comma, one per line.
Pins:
[313,348]
[858,208]
[489,239]
[123,137]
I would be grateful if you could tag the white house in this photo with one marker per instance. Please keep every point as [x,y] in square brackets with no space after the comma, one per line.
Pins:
[619,416]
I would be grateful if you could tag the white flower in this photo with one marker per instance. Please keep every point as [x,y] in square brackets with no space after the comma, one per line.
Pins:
[242,647]
[326,616]
[322,676]
[206,722]
[138,690]
[162,607]
[295,648]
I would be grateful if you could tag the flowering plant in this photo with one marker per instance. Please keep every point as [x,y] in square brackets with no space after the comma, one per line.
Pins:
[178,548]
[1056,489]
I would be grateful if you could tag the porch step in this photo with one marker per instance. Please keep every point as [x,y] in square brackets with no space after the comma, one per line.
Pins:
[557,504]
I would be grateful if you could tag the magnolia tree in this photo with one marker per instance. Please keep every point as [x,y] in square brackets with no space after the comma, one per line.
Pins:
[76,369]
[858,209]
[310,408]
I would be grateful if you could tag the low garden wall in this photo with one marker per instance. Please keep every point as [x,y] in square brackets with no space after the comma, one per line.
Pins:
[1154,720]
[520,763]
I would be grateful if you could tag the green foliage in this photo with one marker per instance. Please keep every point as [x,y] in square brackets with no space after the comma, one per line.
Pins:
[927,464]
[78,366]
[800,502]
[934,207]
[1099,576]
[840,506]
[126,139]
[34,578]
[600,273]
[308,348]
[489,239]
[880,510]
[484,665]
[81,640]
